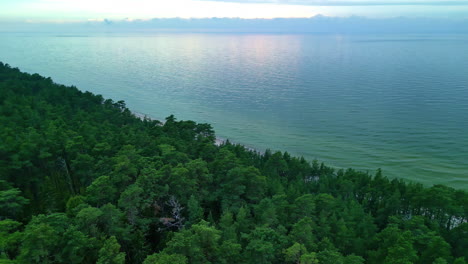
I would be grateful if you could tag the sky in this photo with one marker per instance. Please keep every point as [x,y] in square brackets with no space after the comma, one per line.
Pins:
[82,10]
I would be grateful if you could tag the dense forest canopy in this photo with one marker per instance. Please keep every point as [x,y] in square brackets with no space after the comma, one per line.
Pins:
[82,180]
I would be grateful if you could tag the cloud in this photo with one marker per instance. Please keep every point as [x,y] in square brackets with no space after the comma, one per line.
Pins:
[316,24]
[353,2]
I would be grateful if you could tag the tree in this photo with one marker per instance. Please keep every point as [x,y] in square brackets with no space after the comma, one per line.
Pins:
[10,238]
[330,257]
[77,248]
[294,253]
[459,240]
[353,259]
[110,252]
[259,252]
[230,252]
[42,238]
[440,261]
[228,227]
[132,203]
[302,232]
[112,222]
[11,202]
[195,211]
[395,247]
[199,172]
[232,189]
[199,243]
[88,220]
[304,206]
[309,258]
[255,184]
[402,252]
[265,213]
[126,166]
[101,191]
[40,242]
[264,244]
[163,258]
[74,205]
[436,249]
[243,221]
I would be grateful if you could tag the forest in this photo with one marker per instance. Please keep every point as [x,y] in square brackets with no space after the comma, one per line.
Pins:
[83,180]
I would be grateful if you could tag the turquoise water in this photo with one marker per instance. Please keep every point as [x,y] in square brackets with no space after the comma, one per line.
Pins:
[396,102]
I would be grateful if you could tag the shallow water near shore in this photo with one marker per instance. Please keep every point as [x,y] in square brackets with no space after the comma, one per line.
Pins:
[396,102]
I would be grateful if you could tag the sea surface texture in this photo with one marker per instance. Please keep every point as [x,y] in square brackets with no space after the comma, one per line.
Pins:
[396,102]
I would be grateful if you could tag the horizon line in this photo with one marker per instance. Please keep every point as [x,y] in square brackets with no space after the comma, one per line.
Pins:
[127,19]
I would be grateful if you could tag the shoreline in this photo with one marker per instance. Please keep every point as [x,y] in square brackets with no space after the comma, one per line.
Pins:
[218,140]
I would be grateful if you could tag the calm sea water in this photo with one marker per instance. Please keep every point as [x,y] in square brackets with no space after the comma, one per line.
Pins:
[396,102]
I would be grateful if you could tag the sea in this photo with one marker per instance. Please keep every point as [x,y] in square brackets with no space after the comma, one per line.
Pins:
[398,102]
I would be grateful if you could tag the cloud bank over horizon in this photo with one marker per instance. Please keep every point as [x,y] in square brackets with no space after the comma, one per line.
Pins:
[316,24]
[72,10]
[353,2]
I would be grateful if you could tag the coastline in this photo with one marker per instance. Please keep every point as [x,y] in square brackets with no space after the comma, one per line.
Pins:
[219,141]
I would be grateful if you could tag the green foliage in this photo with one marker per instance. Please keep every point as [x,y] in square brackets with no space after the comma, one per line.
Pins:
[294,253]
[228,227]
[74,205]
[303,232]
[260,251]
[40,242]
[131,201]
[330,257]
[10,238]
[77,248]
[459,261]
[264,245]
[230,252]
[440,261]
[88,220]
[11,201]
[309,258]
[83,180]
[200,243]
[163,258]
[110,252]
[436,249]
[101,191]
[395,247]
[353,259]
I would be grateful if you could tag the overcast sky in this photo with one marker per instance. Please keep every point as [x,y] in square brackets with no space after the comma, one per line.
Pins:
[79,10]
